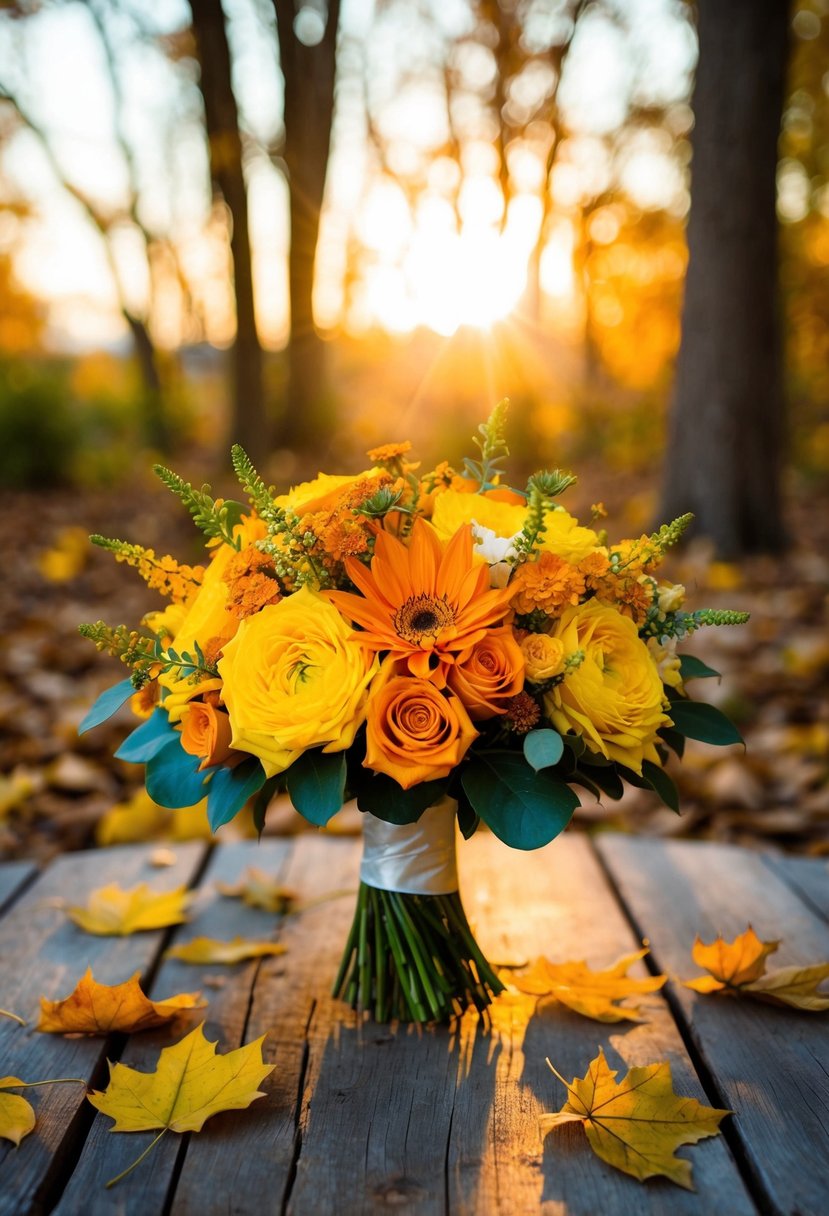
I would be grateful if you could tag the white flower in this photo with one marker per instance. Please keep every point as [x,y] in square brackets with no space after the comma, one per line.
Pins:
[498,552]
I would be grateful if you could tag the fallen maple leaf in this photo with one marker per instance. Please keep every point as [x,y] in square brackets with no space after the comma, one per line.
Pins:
[637,1124]
[591,993]
[191,1083]
[17,1116]
[740,966]
[259,890]
[114,911]
[94,1008]
[211,950]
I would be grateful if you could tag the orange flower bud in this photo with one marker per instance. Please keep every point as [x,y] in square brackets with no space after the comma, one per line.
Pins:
[206,732]
[488,675]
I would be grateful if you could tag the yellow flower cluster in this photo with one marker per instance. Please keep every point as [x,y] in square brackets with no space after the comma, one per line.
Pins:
[163,574]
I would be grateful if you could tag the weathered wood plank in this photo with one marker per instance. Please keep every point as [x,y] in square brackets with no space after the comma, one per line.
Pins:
[257,1151]
[13,876]
[771,1065]
[809,876]
[43,953]
[557,902]
[228,989]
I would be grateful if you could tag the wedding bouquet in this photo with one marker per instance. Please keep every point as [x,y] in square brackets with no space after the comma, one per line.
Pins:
[436,645]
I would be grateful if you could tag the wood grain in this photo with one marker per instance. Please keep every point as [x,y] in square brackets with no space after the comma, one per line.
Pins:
[228,990]
[808,876]
[557,902]
[771,1065]
[13,876]
[42,953]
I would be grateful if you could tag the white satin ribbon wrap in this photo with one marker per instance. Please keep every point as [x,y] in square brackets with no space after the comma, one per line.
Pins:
[413,858]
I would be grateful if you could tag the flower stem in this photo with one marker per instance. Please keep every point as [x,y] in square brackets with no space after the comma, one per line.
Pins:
[413,958]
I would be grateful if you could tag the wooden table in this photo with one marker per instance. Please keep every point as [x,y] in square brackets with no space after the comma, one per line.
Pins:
[365,1118]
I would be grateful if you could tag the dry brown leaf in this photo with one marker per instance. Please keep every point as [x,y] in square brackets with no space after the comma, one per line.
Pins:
[594,994]
[114,911]
[638,1123]
[94,1008]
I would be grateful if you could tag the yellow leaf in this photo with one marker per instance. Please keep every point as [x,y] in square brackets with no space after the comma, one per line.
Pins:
[17,1118]
[795,986]
[142,819]
[740,966]
[210,950]
[114,911]
[734,963]
[94,1008]
[259,890]
[191,1083]
[591,993]
[637,1124]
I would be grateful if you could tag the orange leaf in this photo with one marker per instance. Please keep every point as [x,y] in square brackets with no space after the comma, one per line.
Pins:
[94,1008]
[737,962]
[594,994]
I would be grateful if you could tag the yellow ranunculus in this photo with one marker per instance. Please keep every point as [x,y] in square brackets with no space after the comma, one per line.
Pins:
[614,698]
[295,679]
[454,509]
[565,537]
[318,494]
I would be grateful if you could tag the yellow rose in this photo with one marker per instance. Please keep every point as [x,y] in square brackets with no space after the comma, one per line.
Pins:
[614,698]
[453,509]
[415,732]
[320,493]
[543,657]
[294,679]
[564,536]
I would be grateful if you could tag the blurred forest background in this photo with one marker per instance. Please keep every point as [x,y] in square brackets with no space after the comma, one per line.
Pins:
[312,227]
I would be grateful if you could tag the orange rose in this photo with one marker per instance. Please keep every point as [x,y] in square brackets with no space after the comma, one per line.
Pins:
[486,676]
[205,732]
[414,732]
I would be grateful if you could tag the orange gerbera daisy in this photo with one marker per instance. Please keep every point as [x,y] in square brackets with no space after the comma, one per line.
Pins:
[424,603]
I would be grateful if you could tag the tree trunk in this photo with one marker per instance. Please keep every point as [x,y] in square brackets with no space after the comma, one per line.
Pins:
[249,424]
[156,430]
[309,73]
[727,424]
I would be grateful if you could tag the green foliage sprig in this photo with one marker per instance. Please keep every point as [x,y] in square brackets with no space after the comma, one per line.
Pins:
[492,445]
[216,519]
[143,652]
[680,624]
[542,488]
[261,496]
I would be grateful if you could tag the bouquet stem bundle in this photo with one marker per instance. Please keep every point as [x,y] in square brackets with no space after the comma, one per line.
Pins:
[413,958]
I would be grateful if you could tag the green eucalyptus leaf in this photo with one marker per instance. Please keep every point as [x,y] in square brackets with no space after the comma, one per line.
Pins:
[543,748]
[230,790]
[524,808]
[316,785]
[692,668]
[696,720]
